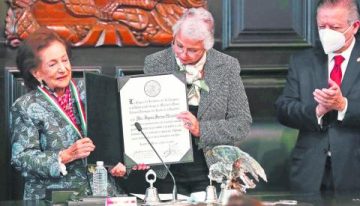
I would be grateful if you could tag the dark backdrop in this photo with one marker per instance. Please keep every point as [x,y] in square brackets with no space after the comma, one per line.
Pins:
[261,34]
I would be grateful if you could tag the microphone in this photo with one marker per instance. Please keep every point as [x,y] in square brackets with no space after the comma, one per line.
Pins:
[174,192]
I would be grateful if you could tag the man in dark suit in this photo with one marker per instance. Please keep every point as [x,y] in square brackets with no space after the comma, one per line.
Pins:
[321,98]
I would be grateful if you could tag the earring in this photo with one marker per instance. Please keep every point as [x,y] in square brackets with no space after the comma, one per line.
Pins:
[41,83]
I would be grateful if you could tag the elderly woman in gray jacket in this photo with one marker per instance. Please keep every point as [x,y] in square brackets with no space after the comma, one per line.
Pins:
[218,106]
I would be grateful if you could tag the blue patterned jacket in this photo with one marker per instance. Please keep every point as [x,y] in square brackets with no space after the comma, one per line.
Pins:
[39,132]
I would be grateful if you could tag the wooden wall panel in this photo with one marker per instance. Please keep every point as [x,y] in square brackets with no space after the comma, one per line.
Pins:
[276,23]
[4,141]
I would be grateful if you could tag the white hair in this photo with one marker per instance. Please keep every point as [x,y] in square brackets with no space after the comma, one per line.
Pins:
[350,5]
[198,24]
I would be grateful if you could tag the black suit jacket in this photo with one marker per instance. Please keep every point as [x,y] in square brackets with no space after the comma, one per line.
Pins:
[296,108]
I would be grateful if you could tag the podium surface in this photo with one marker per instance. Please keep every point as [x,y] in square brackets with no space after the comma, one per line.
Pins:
[348,199]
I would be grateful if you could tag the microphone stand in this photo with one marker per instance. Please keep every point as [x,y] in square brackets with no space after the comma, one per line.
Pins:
[174,192]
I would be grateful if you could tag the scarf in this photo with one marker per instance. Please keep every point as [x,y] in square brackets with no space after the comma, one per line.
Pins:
[195,79]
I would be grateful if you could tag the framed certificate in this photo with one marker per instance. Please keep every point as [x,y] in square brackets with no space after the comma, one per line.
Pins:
[153,101]
[104,119]
[115,104]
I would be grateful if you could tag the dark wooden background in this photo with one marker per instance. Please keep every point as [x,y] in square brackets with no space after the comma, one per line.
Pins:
[261,34]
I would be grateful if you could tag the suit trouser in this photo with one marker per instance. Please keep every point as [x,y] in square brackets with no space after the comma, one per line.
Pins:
[327,183]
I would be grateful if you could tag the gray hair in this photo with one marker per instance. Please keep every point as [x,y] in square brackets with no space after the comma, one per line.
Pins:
[198,24]
[351,5]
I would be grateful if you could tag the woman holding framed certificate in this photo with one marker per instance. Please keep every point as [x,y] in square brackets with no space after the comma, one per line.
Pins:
[218,107]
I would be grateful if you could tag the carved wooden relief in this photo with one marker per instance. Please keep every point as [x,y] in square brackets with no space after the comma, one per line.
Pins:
[98,22]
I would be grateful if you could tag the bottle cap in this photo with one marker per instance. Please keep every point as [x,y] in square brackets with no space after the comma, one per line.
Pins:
[99,163]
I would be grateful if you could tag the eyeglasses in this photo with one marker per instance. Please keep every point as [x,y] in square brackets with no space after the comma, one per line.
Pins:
[189,51]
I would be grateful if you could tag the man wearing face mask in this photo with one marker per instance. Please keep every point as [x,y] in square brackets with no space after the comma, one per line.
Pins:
[321,98]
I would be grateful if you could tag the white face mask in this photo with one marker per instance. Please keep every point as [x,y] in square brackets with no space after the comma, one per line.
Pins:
[332,40]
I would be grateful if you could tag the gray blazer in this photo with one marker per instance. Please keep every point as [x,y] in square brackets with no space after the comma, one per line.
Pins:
[223,112]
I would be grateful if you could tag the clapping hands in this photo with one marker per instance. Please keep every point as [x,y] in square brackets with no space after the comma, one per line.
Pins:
[329,99]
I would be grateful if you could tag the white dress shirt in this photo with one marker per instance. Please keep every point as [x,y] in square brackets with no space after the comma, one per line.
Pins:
[346,54]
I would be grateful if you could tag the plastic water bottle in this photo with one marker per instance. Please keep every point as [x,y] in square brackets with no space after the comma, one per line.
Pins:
[100,180]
